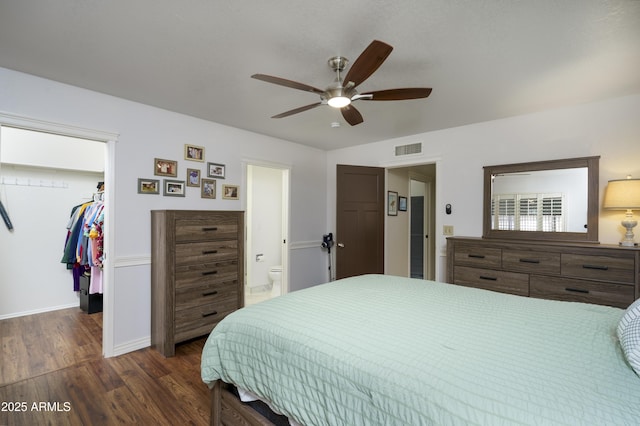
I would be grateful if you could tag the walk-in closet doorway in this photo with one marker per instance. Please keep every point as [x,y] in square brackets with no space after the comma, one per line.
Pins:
[45,170]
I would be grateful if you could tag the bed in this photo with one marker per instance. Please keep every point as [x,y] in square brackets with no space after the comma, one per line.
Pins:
[384,350]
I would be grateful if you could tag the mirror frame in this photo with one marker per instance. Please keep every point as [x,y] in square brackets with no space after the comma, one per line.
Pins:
[592,165]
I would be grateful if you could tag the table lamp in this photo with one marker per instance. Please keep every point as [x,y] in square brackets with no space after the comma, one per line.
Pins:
[624,194]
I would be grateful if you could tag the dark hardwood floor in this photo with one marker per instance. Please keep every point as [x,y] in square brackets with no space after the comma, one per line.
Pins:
[52,373]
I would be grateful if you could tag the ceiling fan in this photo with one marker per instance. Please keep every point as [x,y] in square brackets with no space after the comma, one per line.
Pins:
[342,92]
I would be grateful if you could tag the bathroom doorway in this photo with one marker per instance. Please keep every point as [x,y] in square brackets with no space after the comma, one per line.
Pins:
[267,223]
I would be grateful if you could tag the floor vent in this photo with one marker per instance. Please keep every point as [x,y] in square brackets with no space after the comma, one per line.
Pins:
[414,148]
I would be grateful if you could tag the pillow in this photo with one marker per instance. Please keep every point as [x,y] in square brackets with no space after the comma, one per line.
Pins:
[633,311]
[630,343]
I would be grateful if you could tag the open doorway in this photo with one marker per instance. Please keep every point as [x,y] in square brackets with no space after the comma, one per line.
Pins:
[267,223]
[43,172]
[410,233]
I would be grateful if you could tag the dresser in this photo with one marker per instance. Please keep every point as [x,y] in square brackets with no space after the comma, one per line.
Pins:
[197,273]
[592,273]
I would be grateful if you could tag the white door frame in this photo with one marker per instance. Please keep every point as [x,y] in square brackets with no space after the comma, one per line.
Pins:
[110,139]
[286,208]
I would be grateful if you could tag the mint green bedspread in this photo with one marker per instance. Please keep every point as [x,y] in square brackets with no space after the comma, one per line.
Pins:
[383,350]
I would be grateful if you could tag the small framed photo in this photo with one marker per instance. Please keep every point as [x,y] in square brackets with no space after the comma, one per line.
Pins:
[402,204]
[173,188]
[392,203]
[148,186]
[208,188]
[230,192]
[165,168]
[215,170]
[193,153]
[193,177]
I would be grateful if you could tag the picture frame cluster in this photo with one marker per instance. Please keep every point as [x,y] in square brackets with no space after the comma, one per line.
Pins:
[171,186]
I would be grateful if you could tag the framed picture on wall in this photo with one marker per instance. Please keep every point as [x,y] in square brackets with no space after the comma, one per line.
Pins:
[173,188]
[165,167]
[193,153]
[215,170]
[193,177]
[208,188]
[148,186]
[392,203]
[402,204]
[230,192]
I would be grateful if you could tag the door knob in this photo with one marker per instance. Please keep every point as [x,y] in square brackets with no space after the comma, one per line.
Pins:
[340,245]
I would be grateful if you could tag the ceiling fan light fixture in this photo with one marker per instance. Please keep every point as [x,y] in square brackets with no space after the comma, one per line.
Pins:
[339,101]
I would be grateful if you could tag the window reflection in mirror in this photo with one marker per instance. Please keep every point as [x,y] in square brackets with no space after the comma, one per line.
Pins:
[543,200]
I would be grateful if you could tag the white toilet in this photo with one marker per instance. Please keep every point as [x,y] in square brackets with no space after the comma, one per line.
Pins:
[275,275]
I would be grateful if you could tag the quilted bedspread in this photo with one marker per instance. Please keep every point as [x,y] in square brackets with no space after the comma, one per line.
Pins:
[383,350]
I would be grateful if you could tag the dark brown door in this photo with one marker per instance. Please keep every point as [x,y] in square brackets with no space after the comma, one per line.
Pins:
[359,221]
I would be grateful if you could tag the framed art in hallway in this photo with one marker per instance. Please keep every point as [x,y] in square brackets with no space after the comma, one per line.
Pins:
[392,203]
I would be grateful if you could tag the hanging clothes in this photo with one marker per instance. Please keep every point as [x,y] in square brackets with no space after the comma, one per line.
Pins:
[83,250]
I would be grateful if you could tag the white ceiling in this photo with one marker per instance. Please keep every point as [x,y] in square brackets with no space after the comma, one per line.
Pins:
[484,59]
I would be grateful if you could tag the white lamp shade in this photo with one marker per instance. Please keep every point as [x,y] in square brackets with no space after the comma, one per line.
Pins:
[622,194]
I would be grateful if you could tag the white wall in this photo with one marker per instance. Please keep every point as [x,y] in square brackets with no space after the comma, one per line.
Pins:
[146,133]
[609,128]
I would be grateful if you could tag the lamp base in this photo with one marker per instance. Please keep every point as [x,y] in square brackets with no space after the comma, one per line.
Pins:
[629,223]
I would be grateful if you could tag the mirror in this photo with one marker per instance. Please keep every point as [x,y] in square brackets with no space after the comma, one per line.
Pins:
[544,200]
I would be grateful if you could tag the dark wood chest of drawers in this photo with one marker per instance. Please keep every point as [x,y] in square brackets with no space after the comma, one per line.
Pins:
[196,273]
[592,273]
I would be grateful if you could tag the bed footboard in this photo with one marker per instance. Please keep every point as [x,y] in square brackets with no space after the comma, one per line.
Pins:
[228,410]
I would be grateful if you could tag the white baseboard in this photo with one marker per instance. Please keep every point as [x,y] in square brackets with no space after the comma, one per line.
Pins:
[39,311]
[132,346]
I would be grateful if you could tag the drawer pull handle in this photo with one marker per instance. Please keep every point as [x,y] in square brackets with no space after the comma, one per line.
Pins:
[209,272]
[210,314]
[598,267]
[483,277]
[213,228]
[577,290]
[525,260]
[210,252]
[476,256]
[210,293]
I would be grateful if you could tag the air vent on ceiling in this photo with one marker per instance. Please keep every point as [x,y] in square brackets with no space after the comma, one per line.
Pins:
[414,148]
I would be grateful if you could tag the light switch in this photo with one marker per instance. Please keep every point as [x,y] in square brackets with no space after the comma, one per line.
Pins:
[447,230]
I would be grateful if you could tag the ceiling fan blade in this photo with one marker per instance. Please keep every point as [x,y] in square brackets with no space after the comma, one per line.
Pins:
[396,94]
[287,83]
[297,110]
[368,62]
[351,115]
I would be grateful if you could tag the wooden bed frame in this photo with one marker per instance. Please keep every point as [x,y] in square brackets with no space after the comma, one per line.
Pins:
[228,410]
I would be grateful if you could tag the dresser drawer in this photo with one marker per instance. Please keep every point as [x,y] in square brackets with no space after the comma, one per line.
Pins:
[200,320]
[210,292]
[608,268]
[531,261]
[575,290]
[505,282]
[206,251]
[483,257]
[190,275]
[206,228]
